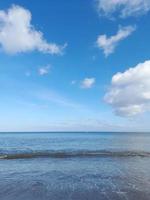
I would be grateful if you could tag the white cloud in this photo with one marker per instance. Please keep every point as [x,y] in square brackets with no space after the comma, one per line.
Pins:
[108,44]
[87,83]
[17,34]
[123,8]
[44,70]
[129,93]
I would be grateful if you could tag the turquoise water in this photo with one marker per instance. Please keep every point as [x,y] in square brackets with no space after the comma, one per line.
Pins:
[77,166]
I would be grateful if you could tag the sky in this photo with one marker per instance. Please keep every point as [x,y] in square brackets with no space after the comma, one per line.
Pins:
[75,65]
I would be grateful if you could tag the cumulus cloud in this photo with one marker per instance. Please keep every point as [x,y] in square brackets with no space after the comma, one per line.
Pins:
[44,70]
[17,34]
[87,83]
[108,44]
[129,92]
[123,8]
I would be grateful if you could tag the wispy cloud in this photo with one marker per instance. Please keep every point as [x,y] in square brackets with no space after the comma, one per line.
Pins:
[79,125]
[73,82]
[49,96]
[17,34]
[108,44]
[123,8]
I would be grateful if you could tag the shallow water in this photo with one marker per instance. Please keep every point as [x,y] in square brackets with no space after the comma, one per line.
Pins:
[54,166]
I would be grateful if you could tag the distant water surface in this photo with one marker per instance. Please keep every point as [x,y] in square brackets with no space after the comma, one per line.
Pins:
[74,166]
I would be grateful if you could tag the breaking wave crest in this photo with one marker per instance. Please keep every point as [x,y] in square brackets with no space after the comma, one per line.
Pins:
[71,154]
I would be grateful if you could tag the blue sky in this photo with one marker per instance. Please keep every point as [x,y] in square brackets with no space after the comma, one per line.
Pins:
[74,65]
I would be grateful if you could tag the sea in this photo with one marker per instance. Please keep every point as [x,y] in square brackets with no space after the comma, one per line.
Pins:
[74,166]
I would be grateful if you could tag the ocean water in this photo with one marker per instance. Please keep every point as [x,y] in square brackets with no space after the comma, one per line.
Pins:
[74,166]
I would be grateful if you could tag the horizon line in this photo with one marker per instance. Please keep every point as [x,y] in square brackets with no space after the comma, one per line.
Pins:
[74,132]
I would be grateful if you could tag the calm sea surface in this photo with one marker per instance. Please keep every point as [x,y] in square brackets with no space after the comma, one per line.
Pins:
[74,166]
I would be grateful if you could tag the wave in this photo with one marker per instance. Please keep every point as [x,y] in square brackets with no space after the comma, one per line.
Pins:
[71,154]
